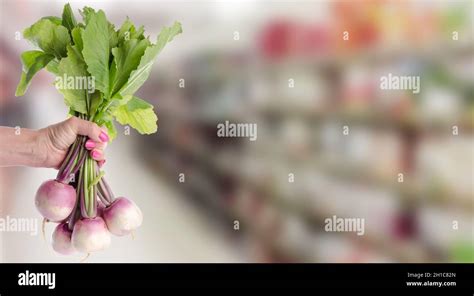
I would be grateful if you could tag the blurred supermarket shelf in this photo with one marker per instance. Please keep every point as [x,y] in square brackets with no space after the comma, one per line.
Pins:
[194,143]
[228,166]
[405,251]
[435,52]
[321,115]
[373,120]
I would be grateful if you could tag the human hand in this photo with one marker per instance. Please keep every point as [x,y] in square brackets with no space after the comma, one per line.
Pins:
[54,141]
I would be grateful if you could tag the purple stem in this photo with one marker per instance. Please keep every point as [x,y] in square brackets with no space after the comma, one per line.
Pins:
[68,156]
[103,192]
[79,164]
[102,198]
[73,217]
[82,197]
[94,202]
[63,174]
[109,191]
[67,170]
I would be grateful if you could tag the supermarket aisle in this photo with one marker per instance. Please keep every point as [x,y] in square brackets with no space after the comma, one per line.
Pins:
[332,141]
[173,231]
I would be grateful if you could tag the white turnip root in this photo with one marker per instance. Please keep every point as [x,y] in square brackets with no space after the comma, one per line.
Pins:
[55,200]
[90,235]
[122,216]
[62,240]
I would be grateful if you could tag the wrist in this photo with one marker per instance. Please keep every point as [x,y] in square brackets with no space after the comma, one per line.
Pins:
[20,147]
[30,152]
[39,155]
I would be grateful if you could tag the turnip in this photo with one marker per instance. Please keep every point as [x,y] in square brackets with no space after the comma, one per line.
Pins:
[122,216]
[62,240]
[55,200]
[90,235]
[79,196]
[100,209]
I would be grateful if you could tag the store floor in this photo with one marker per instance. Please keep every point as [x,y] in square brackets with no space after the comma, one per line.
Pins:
[173,229]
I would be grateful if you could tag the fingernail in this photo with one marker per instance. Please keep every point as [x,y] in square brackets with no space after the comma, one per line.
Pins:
[90,144]
[101,163]
[104,137]
[95,154]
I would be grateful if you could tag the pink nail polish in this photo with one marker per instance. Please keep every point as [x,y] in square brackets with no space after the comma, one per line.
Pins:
[104,137]
[90,144]
[95,154]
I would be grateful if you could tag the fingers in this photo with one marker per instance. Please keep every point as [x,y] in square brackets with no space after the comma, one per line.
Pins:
[98,137]
[97,154]
[91,145]
[97,149]
[89,129]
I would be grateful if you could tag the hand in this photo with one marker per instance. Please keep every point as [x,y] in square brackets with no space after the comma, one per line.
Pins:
[54,141]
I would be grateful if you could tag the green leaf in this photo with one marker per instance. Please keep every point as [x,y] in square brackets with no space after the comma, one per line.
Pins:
[128,31]
[87,13]
[33,61]
[40,63]
[77,37]
[140,75]
[137,34]
[96,50]
[96,100]
[72,67]
[68,21]
[126,59]
[111,130]
[124,31]
[28,58]
[56,20]
[50,37]
[96,180]
[113,36]
[112,74]
[138,114]
[77,52]
[53,67]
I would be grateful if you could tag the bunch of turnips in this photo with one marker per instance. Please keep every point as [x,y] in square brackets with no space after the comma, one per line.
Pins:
[118,61]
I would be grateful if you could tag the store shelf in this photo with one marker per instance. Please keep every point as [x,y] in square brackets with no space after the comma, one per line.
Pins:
[413,191]
[370,119]
[436,51]
[335,85]
[405,251]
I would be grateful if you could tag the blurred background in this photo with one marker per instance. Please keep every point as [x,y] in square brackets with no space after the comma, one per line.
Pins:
[405,166]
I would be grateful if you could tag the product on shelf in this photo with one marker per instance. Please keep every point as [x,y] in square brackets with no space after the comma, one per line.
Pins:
[444,166]
[446,228]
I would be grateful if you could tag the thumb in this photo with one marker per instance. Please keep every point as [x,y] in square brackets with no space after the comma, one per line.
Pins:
[89,129]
